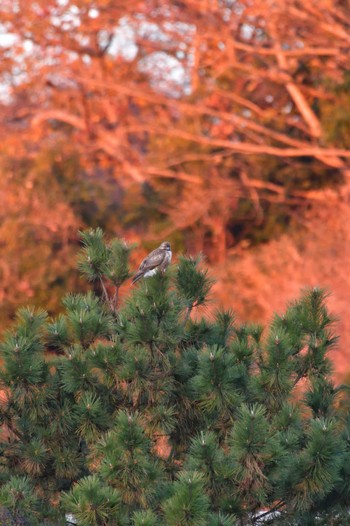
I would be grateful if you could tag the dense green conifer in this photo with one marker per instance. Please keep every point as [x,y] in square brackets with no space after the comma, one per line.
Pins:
[148,413]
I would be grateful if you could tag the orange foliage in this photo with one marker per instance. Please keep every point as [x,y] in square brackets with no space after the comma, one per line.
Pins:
[258,282]
[214,78]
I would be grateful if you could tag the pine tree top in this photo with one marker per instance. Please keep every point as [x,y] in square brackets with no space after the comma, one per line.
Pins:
[146,415]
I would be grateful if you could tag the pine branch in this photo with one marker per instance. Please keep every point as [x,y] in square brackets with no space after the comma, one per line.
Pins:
[188,314]
[272,510]
[115,300]
[104,290]
[14,430]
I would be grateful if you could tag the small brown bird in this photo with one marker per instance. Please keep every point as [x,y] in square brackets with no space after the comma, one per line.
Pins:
[158,260]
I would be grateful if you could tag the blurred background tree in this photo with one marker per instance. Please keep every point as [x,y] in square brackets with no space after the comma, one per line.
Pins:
[210,123]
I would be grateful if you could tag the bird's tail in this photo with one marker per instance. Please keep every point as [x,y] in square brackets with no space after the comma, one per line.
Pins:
[137,276]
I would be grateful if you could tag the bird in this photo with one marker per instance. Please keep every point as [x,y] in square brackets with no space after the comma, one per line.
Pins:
[157,260]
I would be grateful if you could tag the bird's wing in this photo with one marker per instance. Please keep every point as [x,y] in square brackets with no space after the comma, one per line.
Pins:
[153,260]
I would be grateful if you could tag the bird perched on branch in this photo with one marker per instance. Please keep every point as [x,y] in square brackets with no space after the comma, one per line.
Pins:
[156,261]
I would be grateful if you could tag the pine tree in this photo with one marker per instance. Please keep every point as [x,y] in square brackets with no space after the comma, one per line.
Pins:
[146,414]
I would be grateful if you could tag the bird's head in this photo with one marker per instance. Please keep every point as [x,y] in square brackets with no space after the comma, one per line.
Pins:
[165,245]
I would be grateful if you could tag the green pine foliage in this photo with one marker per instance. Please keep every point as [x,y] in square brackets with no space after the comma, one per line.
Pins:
[93,502]
[189,503]
[18,497]
[149,414]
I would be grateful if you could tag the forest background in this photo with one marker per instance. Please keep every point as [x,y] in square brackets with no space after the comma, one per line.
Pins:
[220,125]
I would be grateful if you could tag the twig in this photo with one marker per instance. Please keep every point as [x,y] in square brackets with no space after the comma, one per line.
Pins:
[105,293]
[188,313]
[9,425]
[275,508]
[115,300]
